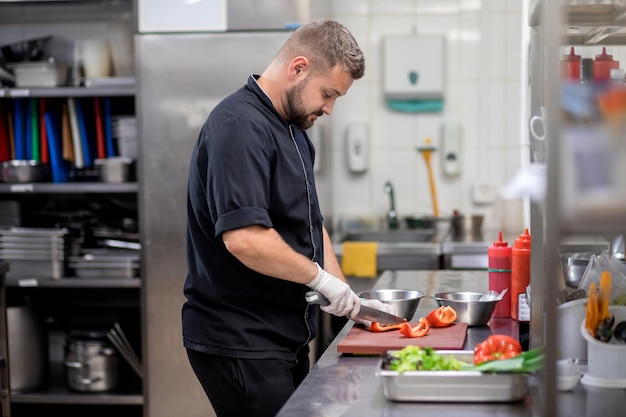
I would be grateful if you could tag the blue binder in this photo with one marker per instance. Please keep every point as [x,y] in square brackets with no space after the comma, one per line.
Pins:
[60,173]
[84,138]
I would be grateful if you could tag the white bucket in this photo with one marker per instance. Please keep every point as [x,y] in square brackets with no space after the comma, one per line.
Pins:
[571,343]
[606,366]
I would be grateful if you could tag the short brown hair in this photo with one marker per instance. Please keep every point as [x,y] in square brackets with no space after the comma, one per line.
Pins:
[325,43]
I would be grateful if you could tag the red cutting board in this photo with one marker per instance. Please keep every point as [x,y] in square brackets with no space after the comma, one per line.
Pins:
[361,341]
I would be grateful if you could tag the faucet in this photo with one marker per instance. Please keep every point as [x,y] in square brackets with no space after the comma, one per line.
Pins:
[392,215]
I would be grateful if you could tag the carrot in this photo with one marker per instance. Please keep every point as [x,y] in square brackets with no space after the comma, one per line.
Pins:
[592,318]
[604,297]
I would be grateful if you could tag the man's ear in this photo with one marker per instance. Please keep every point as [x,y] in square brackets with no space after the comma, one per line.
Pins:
[299,67]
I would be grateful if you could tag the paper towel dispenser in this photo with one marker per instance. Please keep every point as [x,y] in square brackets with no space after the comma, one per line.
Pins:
[414,67]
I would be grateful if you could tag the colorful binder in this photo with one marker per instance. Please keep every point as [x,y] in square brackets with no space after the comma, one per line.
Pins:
[78,153]
[84,136]
[43,140]
[18,129]
[5,145]
[34,130]
[99,128]
[58,168]
[108,128]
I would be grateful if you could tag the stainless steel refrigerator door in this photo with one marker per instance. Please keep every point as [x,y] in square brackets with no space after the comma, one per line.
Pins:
[181,78]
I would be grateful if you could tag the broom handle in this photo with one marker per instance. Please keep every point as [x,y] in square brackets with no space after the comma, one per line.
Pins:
[431,181]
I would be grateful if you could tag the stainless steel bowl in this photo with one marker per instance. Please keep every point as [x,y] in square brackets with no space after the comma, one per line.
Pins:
[573,265]
[467,306]
[404,301]
[23,171]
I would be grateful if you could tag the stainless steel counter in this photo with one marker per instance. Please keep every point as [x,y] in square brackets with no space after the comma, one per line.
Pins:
[467,253]
[348,385]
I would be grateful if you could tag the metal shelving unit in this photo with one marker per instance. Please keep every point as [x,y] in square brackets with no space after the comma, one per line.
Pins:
[76,300]
[5,392]
[554,24]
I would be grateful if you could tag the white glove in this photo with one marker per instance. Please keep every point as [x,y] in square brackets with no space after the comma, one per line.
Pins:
[378,305]
[342,299]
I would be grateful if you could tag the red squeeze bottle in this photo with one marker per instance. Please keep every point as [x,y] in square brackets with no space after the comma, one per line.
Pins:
[570,66]
[602,66]
[499,269]
[520,271]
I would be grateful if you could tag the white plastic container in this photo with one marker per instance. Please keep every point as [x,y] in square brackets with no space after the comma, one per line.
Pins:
[571,342]
[606,366]
[39,74]
[115,169]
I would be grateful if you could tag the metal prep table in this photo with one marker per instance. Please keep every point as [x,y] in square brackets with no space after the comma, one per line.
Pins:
[348,385]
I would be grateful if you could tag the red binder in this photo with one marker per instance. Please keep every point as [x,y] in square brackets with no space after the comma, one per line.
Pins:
[43,138]
[99,129]
[5,145]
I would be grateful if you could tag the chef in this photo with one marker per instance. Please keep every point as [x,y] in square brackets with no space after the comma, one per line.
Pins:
[255,236]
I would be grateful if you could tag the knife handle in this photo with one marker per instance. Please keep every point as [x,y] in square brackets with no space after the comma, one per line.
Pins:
[316,297]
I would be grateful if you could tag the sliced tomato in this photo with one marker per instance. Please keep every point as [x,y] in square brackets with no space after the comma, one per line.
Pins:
[377,327]
[442,316]
[496,346]
[422,329]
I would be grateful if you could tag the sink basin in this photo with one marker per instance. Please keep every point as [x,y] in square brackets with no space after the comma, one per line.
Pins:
[390,236]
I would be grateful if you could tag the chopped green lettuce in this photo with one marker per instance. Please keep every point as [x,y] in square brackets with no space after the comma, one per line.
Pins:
[415,358]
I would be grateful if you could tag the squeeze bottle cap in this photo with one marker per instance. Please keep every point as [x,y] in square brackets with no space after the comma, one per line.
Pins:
[571,56]
[500,242]
[523,241]
[604,56]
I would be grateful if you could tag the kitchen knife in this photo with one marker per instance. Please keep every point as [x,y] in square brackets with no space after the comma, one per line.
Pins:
[366,313]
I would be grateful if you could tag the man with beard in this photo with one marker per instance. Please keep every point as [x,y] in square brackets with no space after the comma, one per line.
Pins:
[255,239]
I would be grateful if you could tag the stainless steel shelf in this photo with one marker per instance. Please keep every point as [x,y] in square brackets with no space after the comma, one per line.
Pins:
[603,219]
[589,24]
[56,391]
[109,91]
[70,187]
[74,283]
[62,395]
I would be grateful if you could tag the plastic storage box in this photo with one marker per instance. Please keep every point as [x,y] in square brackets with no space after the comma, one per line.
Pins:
[39,74]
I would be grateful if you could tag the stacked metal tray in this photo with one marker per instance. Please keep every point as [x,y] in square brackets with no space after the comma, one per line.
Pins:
[452,386]
[33,252]
[105,263]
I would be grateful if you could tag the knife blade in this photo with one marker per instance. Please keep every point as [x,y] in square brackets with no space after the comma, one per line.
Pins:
[366,313]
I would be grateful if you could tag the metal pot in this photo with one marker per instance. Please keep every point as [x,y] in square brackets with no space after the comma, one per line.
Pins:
[23,171]
[91,362]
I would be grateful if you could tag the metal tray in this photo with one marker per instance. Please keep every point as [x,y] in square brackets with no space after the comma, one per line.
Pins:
[113,270]
[452,386]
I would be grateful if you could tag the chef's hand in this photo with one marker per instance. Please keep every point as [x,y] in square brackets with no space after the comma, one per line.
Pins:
[343,300]
[378,305]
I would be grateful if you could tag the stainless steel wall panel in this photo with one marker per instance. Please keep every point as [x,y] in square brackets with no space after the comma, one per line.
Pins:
[181,78]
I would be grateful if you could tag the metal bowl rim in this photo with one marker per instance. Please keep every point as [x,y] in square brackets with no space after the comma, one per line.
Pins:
[439,297]
[419,294]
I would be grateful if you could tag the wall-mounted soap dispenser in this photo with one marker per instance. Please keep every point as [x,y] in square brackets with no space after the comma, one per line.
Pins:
[357,147]
[414,72]
[451,148]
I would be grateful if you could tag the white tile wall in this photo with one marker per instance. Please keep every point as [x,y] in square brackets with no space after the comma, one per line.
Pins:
[483,94]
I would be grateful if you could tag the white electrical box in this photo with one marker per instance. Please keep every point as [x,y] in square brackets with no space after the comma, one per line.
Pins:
[451,148]
[483,193]
[414,67]
[357,147]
